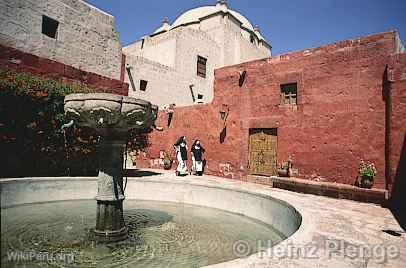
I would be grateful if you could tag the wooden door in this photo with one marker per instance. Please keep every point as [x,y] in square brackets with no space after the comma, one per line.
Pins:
[262,152]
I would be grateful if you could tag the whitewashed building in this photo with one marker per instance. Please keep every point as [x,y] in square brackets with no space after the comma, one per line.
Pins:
[175,64]
[72,32]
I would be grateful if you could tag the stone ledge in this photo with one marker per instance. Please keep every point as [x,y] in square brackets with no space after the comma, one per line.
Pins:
[329,189]
[22,62]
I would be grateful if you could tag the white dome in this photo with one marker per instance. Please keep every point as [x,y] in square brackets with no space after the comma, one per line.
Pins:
[194,15]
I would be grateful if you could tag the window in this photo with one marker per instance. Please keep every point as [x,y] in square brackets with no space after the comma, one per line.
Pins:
[49,26]
[201,66]
[252,39]
[143,85]
[289,94]
[199,98]
[142,43]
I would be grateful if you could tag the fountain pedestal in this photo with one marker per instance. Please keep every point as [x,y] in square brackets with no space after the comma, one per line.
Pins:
[110,225]
[111,116]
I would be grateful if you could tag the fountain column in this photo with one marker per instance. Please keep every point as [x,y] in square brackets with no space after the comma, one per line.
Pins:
[111,117]
[110,225]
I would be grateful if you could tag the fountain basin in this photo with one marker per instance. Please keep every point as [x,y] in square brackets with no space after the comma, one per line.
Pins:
[278,213]
[110,114]
[229,196]
[160,234]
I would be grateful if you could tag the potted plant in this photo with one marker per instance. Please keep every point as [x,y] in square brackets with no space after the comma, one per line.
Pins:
[167,161]
[367,173]
[285,169]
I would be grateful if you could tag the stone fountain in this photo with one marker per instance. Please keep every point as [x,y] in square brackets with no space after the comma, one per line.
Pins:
[111,116]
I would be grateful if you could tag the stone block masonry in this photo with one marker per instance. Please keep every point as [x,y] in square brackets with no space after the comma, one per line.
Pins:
[341,115]
[67,31]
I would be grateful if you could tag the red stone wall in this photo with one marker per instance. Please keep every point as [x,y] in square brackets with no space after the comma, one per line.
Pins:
[339,119]
[16,60]
[340,116]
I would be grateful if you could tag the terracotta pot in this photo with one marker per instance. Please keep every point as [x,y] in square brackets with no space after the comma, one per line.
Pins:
[167,164]
[367,182]
[283,172]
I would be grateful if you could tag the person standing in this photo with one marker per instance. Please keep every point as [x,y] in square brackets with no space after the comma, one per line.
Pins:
[181,155]
[197,151]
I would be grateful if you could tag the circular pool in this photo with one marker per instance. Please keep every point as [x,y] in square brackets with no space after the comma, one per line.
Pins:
[161,234]
[172,222]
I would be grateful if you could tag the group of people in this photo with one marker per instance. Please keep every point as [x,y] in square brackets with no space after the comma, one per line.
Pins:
[196,151]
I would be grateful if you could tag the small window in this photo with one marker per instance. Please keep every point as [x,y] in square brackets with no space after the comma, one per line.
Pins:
[49,26]
[289,94]
[199,98]
[142,43]
[252,39]
[201,66]
[143,85]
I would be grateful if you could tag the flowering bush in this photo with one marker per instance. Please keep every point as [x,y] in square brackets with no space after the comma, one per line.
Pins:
[31,142]
[367,169]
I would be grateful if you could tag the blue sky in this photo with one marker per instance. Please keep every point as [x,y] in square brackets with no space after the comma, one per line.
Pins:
[289,25]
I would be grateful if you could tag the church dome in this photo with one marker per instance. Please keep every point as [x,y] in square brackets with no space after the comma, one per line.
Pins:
[194,15]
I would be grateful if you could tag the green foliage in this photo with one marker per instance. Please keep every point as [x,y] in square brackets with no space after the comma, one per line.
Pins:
[367,170]
[31,143]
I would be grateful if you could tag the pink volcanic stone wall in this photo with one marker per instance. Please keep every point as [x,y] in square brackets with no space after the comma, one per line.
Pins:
[339,119]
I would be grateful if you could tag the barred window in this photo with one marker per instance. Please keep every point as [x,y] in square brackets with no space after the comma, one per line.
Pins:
[201,66]
[289,94]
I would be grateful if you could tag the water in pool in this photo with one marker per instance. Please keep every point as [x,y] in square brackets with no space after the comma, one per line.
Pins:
[161,234]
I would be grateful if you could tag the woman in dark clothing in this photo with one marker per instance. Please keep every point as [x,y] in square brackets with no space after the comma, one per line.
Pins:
[181,155]
[197,151]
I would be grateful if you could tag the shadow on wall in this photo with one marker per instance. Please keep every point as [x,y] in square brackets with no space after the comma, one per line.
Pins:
[386,97]
[398,204]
